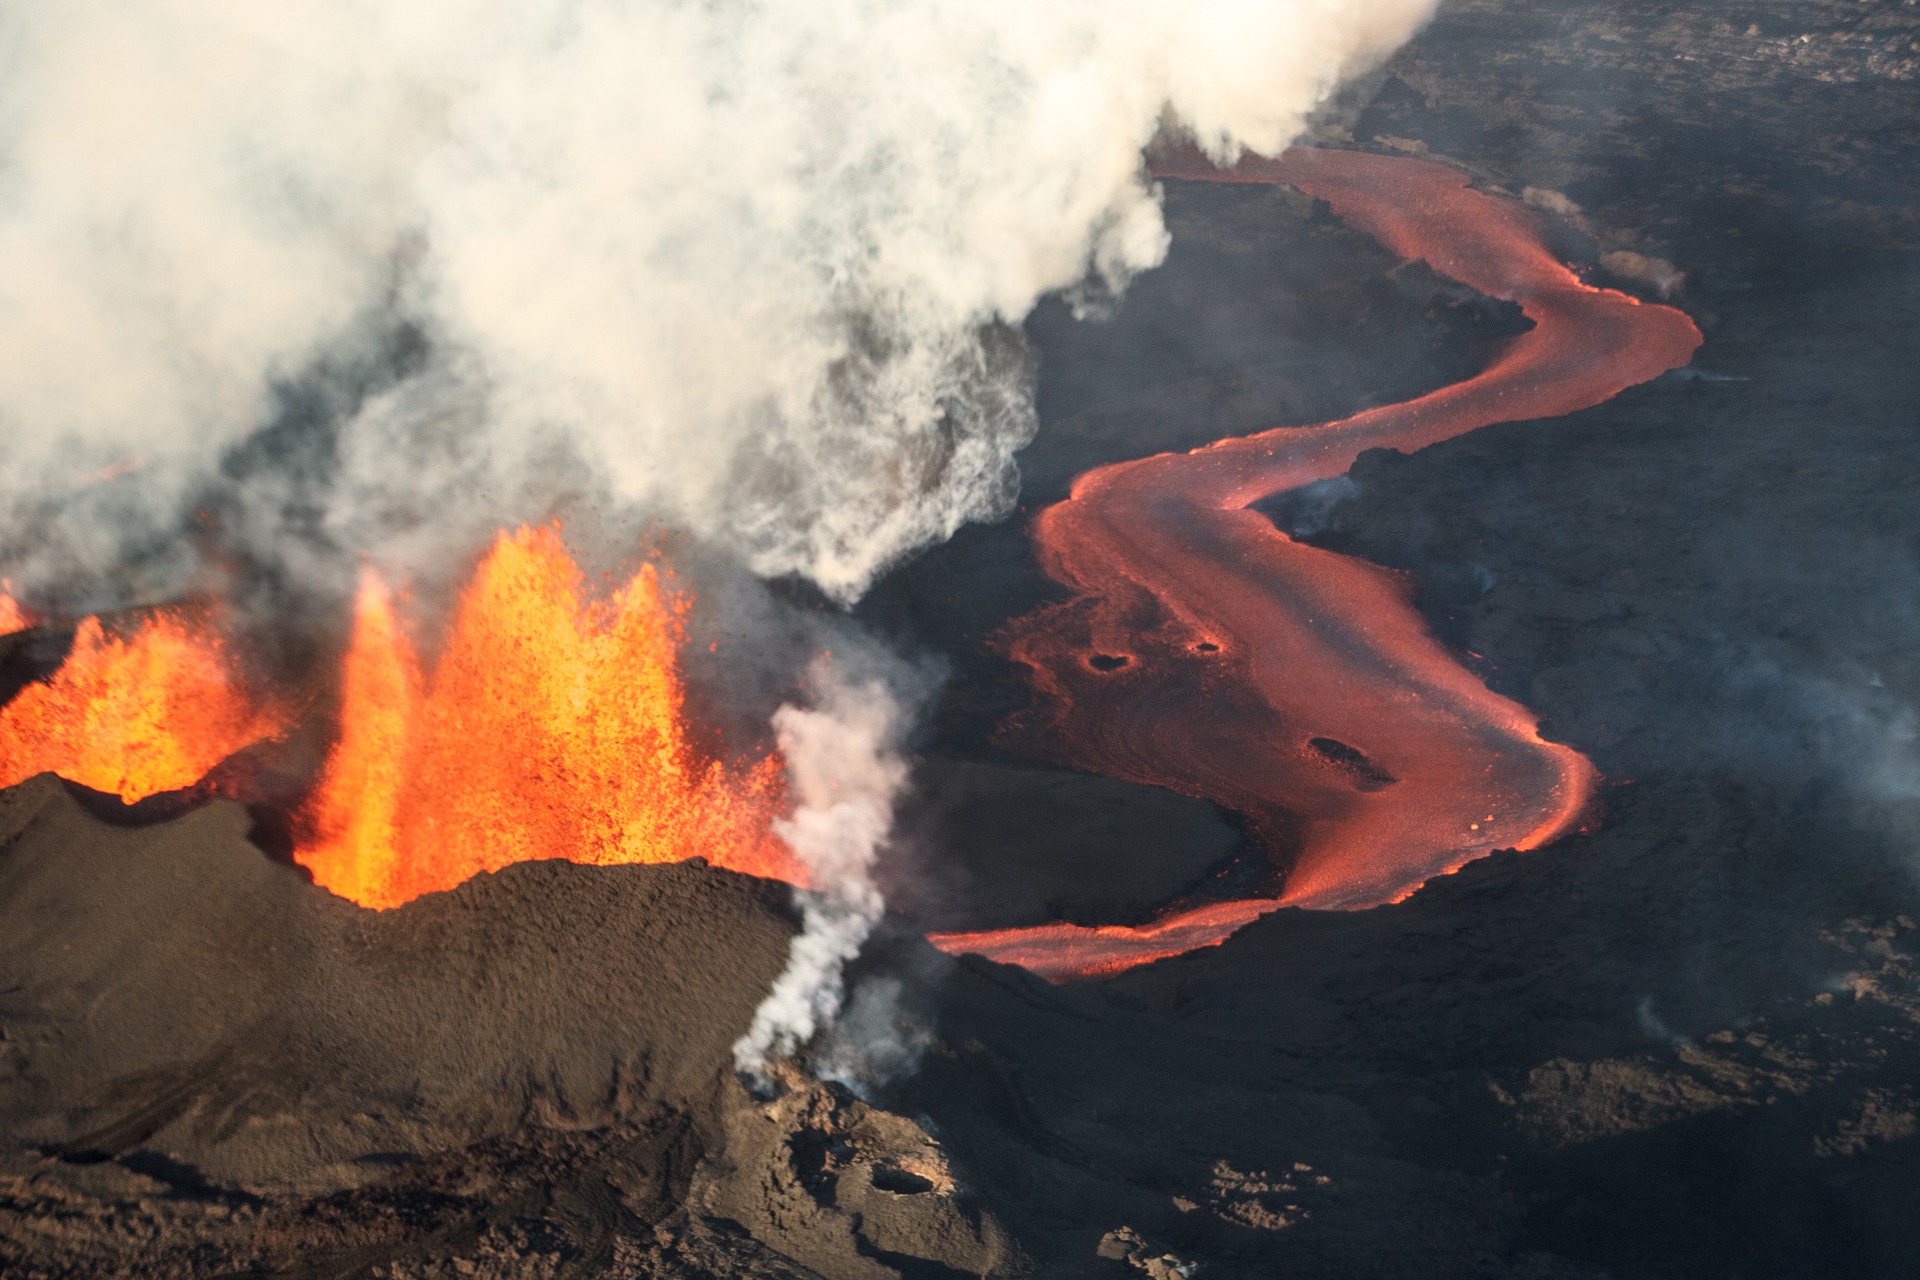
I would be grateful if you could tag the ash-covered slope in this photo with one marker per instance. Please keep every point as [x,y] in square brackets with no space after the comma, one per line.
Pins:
[209,1066]
[175,996]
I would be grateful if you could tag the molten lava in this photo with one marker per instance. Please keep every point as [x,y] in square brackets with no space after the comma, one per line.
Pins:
[134,715]
[12,617]
[553,726]
[1203,650]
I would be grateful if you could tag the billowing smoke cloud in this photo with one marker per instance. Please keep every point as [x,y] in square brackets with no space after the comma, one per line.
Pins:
[755,265]
[844,765]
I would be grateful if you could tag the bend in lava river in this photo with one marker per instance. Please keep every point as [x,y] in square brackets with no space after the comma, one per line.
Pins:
[1330,717]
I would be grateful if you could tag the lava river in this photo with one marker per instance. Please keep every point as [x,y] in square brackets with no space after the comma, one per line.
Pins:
[1203,650]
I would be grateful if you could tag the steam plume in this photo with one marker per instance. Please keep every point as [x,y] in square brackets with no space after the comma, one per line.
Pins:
[843,760]
[757,264]
[754,266]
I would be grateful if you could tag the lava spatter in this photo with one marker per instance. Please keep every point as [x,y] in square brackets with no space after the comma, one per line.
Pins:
[1293,685]
[148,707]
[12,616]
[552,726]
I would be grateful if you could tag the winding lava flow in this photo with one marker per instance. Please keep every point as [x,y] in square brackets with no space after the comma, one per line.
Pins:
[1204,651]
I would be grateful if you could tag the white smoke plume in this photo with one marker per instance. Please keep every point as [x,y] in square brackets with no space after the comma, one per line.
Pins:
[756,262]
[878,1038]
[845,768]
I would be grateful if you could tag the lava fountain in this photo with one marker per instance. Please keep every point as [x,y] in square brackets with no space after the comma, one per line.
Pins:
[134,714]
[553,726]
[1203,650]
[12,617]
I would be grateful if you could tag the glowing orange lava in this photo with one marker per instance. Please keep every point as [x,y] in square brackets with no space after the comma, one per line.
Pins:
[1328,715]
[135,715]
[553,727]
[12,617]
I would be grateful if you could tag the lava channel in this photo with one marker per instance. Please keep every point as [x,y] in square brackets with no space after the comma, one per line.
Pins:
[1202,650]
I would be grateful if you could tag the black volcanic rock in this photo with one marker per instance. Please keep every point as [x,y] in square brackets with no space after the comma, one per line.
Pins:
[962,853]
[1684,1044]
[1494,1078]
[30,655]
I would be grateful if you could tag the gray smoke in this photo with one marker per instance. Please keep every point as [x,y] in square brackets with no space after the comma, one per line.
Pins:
[1847,723]
[755,266]
[845,769]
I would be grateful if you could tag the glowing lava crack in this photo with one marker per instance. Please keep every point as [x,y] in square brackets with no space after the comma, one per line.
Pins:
[1327,713]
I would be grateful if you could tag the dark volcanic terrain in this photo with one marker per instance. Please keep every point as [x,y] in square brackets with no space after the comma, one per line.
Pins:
[1686,1043]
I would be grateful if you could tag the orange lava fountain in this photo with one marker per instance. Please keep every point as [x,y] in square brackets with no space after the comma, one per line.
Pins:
[12,617]
[136,715]
[1203,650]
[553,727]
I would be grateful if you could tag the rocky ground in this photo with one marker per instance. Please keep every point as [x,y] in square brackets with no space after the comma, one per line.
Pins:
[1681,1044]
[1678,1045]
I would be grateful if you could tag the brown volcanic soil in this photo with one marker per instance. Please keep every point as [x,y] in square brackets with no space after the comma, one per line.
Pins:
[177,992]
[208,1066]
[193,1029]
[1687,1044]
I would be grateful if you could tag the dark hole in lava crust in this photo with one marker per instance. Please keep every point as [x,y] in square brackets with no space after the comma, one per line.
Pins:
[1108,661]
[1355,763]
